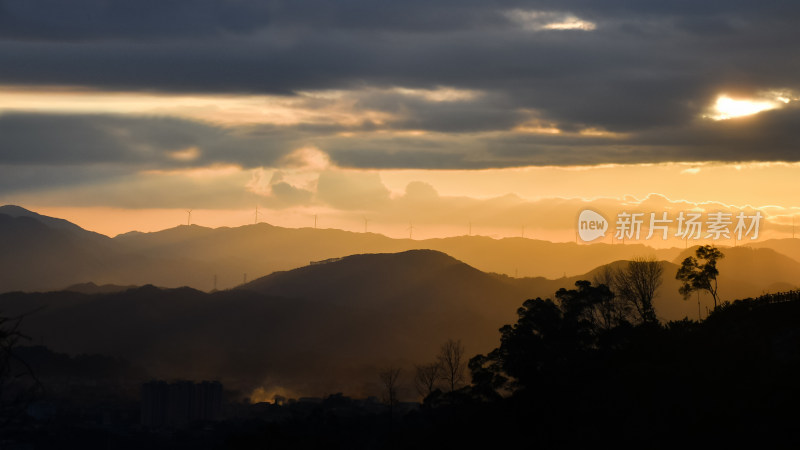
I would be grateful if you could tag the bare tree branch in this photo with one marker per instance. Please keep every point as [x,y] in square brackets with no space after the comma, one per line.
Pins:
[451,359]
[638,283]
[427,378]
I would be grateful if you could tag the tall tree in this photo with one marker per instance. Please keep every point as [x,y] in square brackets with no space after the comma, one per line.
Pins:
[529,348]
[616,310]
[586,309]
[638,283]
[427,378]
[452,361]
[700,272]
[389,380]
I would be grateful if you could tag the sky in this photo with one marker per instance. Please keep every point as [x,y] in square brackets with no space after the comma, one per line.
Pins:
[414,118]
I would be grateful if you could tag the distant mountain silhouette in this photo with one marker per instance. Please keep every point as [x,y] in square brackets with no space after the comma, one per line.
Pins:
[261,249]
[91,288]
[750,272]
[43,253]
[38,256]
[51,222]
[788,246]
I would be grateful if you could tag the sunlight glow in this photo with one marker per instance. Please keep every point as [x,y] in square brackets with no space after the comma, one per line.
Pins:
[324,107]
[728,108]
[571,23]
[548,20]
[187,154]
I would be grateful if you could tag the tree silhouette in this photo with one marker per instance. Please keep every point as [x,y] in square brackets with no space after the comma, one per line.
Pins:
[700,272]
[616,310]
[427,378]
[389,379]
[638,283]
[451,359]
[526,348]
[547,336]
[586,307]
[18,384]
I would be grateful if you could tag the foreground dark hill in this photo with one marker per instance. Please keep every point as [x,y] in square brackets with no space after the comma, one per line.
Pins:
[311,330]
[328,326]
[729,381]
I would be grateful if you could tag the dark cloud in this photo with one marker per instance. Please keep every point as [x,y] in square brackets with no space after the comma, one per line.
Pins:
[768,136]
[648,69]
[32,178]
[125,144]
[121,187]
[144,142]
[144,19]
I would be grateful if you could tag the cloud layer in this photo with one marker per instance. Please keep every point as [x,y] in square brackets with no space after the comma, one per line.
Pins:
[303,104]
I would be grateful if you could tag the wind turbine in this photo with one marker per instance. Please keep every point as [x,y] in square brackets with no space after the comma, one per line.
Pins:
[189,219]
[256,214]
[410,230]
[366,221]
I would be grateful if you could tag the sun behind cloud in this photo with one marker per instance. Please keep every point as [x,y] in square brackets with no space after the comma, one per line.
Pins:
[728,108]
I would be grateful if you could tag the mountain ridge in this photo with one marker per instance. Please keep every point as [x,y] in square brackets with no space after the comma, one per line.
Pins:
[47,258]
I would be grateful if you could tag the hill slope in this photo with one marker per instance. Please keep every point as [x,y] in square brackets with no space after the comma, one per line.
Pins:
[320,328]
[43,253]
[342,319]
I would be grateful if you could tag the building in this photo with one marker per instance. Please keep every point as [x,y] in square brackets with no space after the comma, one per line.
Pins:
[180,403]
